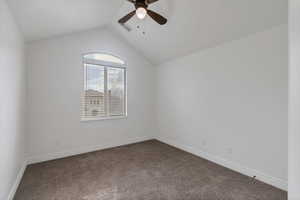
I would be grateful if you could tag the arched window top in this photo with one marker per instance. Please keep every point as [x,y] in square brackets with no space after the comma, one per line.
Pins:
[103,57]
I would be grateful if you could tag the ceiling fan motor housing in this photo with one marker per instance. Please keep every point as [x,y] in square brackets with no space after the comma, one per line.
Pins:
[141,11]
[141,3]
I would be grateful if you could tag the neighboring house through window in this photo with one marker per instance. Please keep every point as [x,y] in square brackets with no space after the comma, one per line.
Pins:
[104,93]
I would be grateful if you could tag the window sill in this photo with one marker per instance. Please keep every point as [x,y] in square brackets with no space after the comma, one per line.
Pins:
[103,118]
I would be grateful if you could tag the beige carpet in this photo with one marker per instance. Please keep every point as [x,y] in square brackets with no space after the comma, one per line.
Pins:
[144,171]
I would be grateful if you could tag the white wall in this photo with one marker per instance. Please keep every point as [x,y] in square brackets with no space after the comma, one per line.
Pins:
[12,88]
[55,80]
[230,104]
[294,100]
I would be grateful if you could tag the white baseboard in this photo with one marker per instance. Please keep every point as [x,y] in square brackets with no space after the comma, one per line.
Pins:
[81,150]
[63,154]
[279,183]
[17,181]
[276,182]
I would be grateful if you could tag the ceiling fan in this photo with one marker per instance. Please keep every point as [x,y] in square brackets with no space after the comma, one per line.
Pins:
[141,10]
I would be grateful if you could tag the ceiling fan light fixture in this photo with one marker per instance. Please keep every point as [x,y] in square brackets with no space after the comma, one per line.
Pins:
[141,13]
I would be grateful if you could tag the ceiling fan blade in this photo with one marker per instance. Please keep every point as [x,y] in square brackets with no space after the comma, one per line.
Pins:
[127,17]
[157,17]
[132,1]
[151,1]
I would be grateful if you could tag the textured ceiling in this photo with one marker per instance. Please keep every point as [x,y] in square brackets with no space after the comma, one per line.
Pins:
[193,24]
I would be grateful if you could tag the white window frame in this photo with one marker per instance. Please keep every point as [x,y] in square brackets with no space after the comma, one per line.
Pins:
[105,65]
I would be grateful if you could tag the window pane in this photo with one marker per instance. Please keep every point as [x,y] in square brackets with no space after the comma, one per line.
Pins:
[94,98]
[104,57]
[104,89]
[116,91]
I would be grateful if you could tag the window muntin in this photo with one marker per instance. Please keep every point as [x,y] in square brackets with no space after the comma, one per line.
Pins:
[104,94]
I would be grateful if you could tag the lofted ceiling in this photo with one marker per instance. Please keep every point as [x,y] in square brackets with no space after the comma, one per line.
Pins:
[199,24]
[39,19]
[193,24]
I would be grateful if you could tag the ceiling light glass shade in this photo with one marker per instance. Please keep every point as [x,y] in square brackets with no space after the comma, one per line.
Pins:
[141,12]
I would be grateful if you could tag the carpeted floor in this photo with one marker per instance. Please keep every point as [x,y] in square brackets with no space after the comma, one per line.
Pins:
[142,171]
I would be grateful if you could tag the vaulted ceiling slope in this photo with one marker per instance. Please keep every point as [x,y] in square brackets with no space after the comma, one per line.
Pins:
[192,24]
[40,19]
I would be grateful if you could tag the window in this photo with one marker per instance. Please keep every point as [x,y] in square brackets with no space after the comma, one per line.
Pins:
[104,93]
